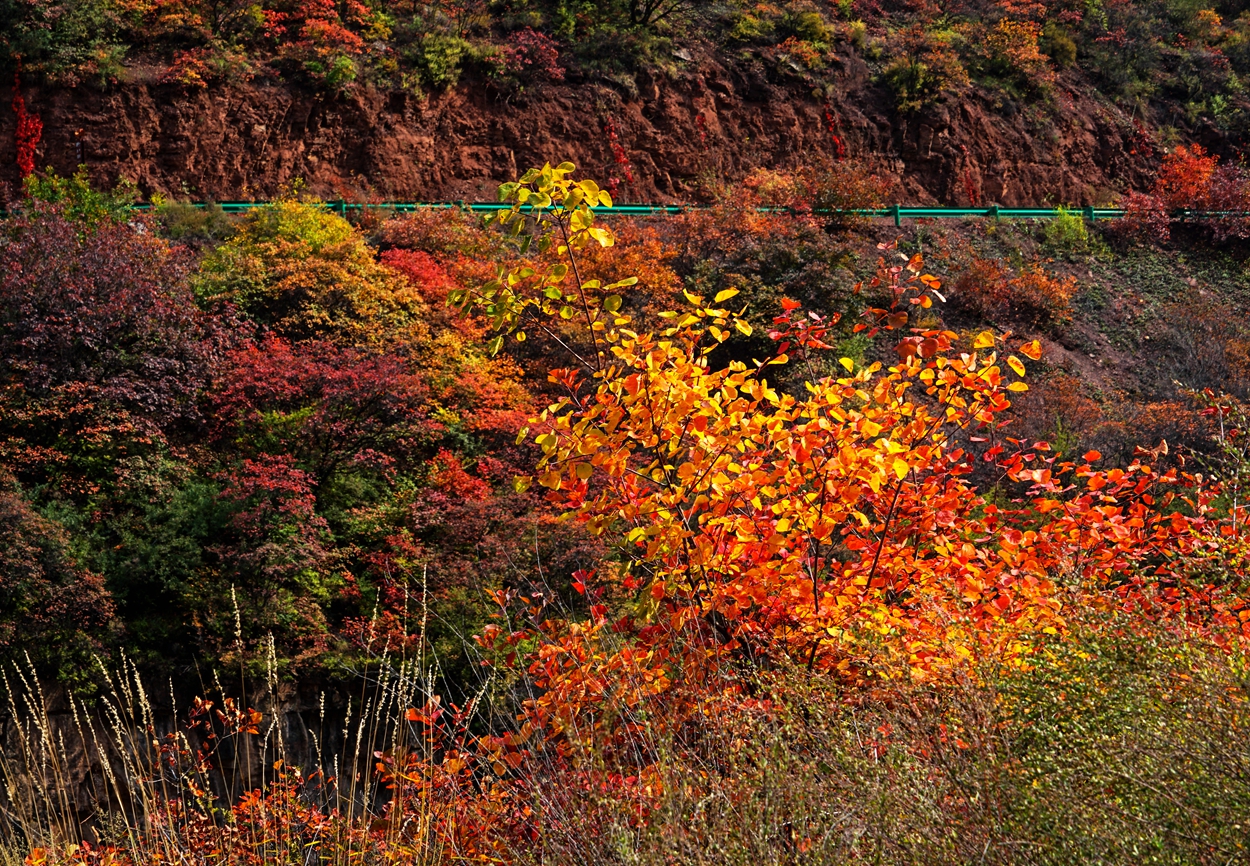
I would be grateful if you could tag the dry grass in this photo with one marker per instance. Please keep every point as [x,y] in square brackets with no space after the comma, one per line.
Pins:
[1118,746]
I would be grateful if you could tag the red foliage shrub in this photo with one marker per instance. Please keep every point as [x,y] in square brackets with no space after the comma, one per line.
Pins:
[323,405]
[532,55]
[619,156]
[108,309]
[100,340]
[28,129]
[1229,192]
[1145,217]
[423,271]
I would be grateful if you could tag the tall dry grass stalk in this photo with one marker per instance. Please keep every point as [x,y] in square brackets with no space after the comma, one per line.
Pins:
[121,770]
[1120,744]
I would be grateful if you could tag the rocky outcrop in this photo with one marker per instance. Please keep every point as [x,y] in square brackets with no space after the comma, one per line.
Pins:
[712,120]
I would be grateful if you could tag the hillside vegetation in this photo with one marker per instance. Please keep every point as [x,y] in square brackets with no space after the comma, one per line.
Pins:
[1185,53]
[1067,103]
[731,536]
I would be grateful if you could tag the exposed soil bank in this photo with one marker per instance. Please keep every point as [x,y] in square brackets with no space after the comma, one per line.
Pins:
[711,121]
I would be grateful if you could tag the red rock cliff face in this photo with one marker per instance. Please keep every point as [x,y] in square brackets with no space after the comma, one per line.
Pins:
[708,122]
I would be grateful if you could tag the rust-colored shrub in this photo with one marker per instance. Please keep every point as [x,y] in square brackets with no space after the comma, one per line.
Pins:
[1032,297]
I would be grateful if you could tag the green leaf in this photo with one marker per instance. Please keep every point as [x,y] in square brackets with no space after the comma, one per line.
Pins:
[612,303]
[495,345]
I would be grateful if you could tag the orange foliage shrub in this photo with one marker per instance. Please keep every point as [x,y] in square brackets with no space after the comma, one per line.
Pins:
[1190,179]
[1032,297]
[1010,50]
[1184,179]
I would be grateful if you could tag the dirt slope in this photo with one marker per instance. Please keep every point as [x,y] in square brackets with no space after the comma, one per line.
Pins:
[708,120]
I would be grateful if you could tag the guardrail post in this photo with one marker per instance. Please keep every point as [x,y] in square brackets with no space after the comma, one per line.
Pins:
[993,212]
[895,212]
[1089,213]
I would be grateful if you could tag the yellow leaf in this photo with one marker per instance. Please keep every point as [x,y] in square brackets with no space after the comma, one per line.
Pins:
[1032,350]
[743,326]
[584,470]
[1017,386]
[848,364]
[1015,364]
[550,479]
[901,468]
[984,340]
[603,236]
[725,295]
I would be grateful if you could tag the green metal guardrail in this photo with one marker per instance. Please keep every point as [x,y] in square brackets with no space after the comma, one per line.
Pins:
[896,212]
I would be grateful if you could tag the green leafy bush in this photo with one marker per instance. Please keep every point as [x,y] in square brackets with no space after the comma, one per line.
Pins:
[80,201]
[1067,232]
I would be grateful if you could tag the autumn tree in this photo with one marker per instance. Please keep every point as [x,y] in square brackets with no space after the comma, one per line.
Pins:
[308,274]
[822,527]
[102,346]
